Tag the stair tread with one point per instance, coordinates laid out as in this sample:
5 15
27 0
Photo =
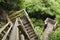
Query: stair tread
24 20
33 35
28 28
27 25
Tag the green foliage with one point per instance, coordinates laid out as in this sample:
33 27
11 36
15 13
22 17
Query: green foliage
37 22
32 5
55 35
38 30
1 0
10 5
38 25
51 7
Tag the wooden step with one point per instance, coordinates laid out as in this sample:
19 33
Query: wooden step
35 38
30 30
33 35
27 25
27 28
24 20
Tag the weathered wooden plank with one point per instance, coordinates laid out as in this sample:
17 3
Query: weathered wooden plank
26 14
4 27
24 28
17 36
15 13
22 37
5 36
15 16
14 31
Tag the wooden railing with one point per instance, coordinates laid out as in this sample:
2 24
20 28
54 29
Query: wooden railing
19 27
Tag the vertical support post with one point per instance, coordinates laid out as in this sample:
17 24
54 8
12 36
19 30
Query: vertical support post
51 24
22 37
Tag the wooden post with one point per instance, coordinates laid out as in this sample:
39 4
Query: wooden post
22 37
14 33
50 25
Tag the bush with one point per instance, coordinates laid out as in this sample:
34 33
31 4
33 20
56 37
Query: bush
55 35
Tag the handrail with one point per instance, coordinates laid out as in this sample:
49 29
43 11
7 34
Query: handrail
15 13
23 28
4 27
5 36
9 23
26 14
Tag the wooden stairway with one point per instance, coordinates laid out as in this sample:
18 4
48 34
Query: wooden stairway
28 28
5 30
24 25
